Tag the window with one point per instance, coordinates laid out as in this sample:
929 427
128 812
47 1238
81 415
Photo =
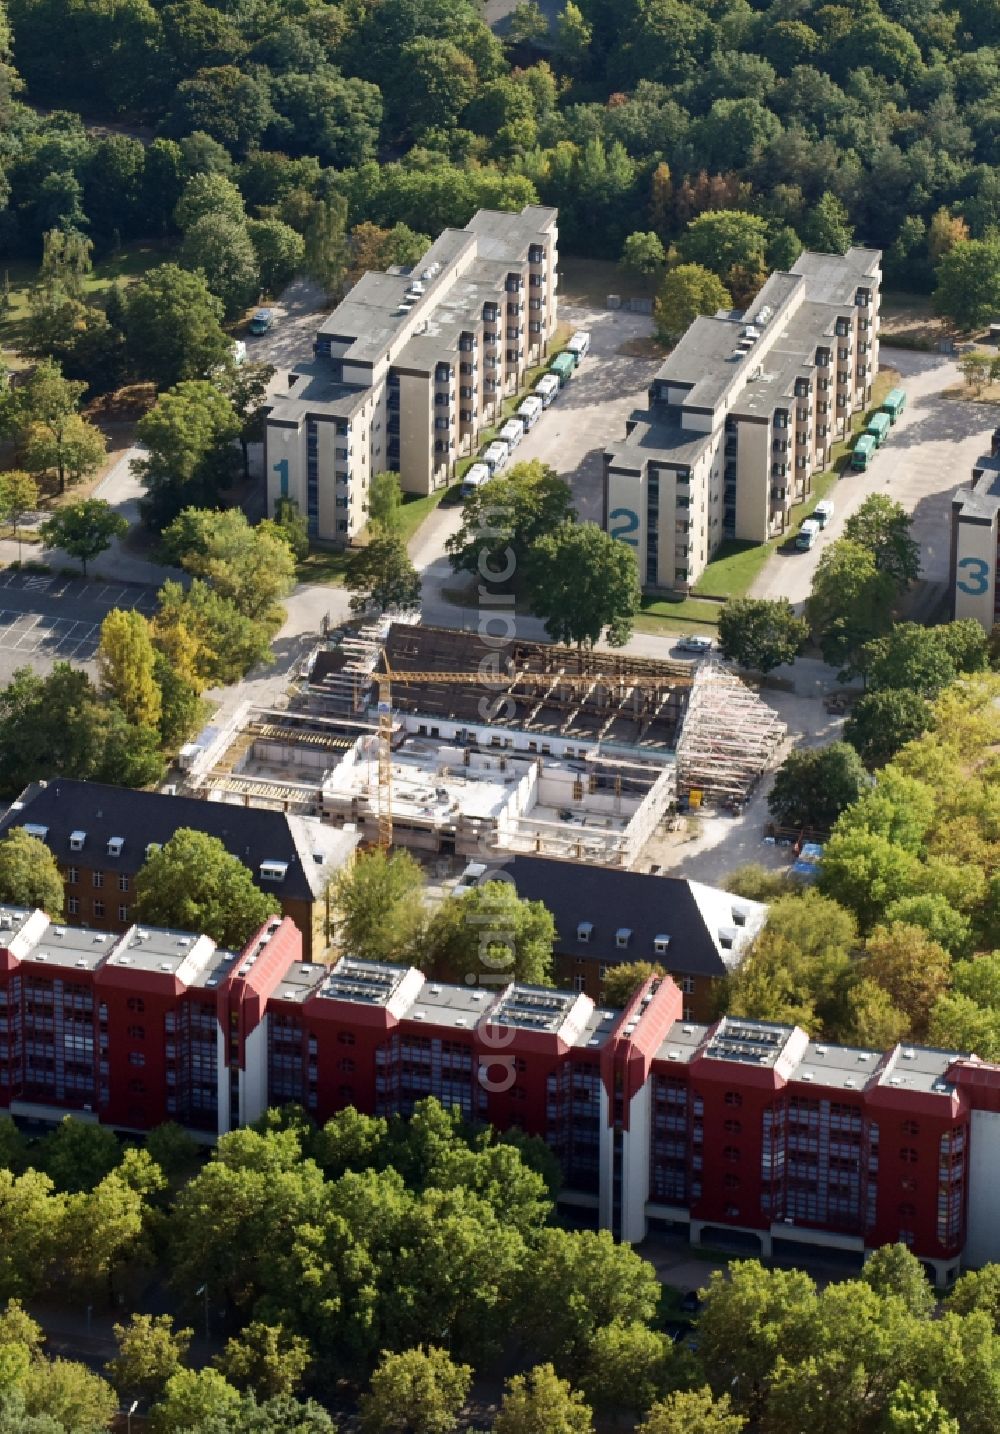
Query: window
97 878
910 1127
732 1182
136 1058
137 1033
72 875
98 908
733 1097
733 1127
346 1065
123 883
123 913
908 1184
687 985
136 1003
345 1038
73 906
732 1154
908 1155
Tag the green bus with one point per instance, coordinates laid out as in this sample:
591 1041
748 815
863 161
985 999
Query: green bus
563 366
864 451
894 403
878 426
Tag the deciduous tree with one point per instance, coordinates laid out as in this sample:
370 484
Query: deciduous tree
417 1392
968 283
150 1352
173 327
489 932
583 584
382 578
851 601
882 722
761 633
265 1358
693 1411
504 518
126 663
380 906
883 527
188 437
18 497
251 567
539 1402
84 530
620 983
29 875
192 883
685 292
815 784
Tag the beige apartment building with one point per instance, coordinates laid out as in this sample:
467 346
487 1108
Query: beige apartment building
741 414
412 366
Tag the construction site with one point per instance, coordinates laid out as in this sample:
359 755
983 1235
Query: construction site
434 739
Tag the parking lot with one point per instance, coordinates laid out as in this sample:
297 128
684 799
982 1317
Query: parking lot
590 412
47 618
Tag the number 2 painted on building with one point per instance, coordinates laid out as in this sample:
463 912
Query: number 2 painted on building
977 581
281 468
629 524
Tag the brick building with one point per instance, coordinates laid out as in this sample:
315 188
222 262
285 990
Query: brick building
746 1133
101 836
697 933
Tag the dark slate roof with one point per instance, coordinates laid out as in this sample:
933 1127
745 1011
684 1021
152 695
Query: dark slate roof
252 834
648 906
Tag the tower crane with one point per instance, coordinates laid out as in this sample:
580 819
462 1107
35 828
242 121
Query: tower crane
578 681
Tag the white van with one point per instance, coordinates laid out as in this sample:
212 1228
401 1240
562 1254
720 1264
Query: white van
547 388
823 512
579 344
474 478
530 412
807 535
495 457
511 433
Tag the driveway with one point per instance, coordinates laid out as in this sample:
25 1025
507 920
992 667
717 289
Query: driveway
591 410
930 453
298 313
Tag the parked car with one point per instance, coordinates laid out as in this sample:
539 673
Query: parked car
806 537
474 478
261 321
700 645
823 512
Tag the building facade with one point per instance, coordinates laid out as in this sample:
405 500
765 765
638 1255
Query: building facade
739 1132
101 837
698 934
412 366
973 580
741 414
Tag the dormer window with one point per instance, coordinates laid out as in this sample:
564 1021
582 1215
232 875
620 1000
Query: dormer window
622 936
727 937
152 846
77 840
273 870
660 945
584 931
34 829
115 845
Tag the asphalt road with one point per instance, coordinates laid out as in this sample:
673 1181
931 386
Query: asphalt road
929 453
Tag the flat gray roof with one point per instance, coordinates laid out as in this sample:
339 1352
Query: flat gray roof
837 1067
314 389
458 1007
652 437
74 946
982 498
682 1042
536 1008
834 278
922 1068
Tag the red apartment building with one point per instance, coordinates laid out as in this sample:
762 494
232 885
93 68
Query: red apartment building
747 1133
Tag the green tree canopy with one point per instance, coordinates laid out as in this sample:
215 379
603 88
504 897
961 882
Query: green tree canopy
685 292
583 584
29 875
883 527
851 601
173 327
882 722
761 633
489 931
84 530
539 1402
814 785
382 578
380 909
503 520
968 283
417 1392
188 437
192 883
251 567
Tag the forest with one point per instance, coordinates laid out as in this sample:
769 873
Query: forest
822 121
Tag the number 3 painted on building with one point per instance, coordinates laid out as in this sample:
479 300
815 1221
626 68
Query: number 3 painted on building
977 581
281 468
629 524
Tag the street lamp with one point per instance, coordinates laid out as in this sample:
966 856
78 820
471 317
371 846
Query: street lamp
129 1412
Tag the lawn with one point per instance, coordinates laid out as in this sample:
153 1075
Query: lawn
332 565
127 265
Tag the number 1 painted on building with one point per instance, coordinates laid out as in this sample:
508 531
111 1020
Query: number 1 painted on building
281 468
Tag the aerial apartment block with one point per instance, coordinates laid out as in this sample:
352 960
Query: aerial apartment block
412 366
740 1132
741 414
975 542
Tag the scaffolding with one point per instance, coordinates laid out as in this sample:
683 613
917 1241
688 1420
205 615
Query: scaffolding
729 739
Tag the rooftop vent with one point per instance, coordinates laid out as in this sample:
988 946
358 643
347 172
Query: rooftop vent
807 1075
688 1030
909 1055
115 845
821 1050
76 840
673 1055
